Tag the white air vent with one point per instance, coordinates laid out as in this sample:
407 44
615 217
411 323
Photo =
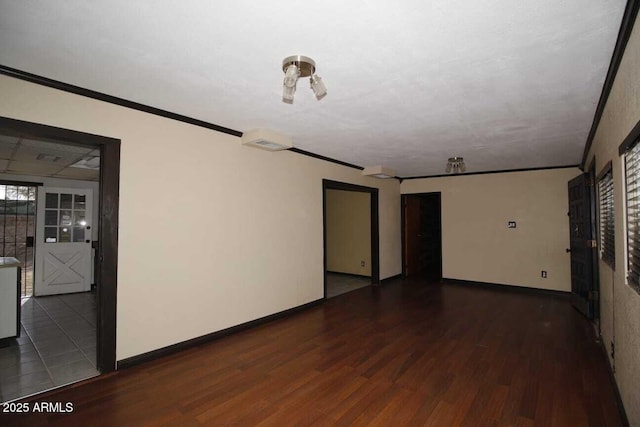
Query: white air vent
89 162
266 140
48 157
379 172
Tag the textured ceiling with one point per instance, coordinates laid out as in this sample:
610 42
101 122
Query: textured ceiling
25 155
505 84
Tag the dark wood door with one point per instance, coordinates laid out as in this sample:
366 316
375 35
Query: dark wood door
423 235
582 244
412 236
431 242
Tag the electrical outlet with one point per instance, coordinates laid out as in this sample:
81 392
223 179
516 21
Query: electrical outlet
543 274
361 263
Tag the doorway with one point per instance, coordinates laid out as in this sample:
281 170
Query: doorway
422 236
63 312
351 239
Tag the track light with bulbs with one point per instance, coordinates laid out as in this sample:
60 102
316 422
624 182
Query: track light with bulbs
298 66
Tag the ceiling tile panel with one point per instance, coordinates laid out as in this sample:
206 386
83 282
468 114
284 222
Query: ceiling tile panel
33 168
40 145
7 146
76 173
48 156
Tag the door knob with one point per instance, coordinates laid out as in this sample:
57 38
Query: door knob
567 250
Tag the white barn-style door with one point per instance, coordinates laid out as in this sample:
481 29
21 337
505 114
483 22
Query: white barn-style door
63 241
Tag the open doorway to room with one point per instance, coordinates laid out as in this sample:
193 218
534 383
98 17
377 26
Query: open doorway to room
350 237
54 186
422 236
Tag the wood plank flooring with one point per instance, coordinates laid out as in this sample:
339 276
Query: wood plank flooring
408 353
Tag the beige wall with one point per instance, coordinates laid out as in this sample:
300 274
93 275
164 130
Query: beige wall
348 218
476 243
619 304
212 233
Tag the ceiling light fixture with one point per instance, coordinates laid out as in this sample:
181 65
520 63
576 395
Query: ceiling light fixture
297 66
456 165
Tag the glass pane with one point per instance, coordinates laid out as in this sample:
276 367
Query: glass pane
79 219
50 217
65 234
78 234
51 201
80 201
65 217
65 201
11 193
51 234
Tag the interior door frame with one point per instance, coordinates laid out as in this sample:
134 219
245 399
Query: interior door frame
595 258
403 227
107 226
375 229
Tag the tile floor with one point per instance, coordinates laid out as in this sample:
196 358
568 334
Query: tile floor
338 284
57 345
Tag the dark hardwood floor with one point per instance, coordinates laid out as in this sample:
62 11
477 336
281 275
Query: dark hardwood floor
408 353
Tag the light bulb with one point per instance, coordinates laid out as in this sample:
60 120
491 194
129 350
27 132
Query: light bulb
291 76
448 169
318 87
289 84
287 93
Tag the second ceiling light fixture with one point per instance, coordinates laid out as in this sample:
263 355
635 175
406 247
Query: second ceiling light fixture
298 66
456 165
